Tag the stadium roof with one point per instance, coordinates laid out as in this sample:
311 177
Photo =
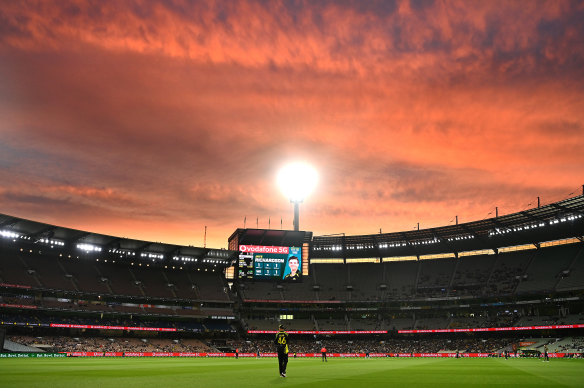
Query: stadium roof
559 220
270 237
37 231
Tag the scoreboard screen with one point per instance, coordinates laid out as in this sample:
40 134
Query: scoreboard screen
270 263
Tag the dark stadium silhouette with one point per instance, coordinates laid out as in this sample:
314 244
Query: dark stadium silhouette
513 283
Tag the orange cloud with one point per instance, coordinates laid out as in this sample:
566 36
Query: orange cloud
157 119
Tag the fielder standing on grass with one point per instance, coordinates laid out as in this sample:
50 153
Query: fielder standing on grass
281 342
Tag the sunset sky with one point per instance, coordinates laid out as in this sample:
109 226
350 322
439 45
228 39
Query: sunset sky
152 120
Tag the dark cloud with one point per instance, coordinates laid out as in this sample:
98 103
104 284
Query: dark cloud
420 5
14 26
382 8
562 128
34 202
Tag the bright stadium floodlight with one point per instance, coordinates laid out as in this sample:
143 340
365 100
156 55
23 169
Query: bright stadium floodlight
297 181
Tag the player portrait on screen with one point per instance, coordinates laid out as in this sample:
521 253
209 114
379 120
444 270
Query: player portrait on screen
293 269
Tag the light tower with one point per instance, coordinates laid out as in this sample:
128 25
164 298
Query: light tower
297 181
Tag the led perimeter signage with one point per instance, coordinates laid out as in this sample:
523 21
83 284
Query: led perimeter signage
258 262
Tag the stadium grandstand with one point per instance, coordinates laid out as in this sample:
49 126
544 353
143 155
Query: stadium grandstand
509 283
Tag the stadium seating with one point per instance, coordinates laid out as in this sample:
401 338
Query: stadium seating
431 323
299 291
49 271
401 277
181 284
154 283
38 271
117 344
435 275
366 324
14 271
332 281
19 347
86 277
260 290
392 345
471 275
210 286
365 280
573 278
264 323
120 279
546 268
402 323
331 324
507 272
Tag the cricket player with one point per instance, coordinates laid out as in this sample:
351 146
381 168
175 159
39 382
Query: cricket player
281 342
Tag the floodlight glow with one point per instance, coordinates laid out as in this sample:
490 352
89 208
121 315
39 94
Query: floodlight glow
89 248
8 234
297 181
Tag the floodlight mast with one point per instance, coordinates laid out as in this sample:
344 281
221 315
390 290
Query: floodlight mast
297 181
296 215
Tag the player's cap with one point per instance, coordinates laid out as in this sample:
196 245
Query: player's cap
281 327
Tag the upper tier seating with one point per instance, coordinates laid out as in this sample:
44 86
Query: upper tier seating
365 278
13 270
332 281
88 276
401 278
532 271
507 272
472 274
546 268
85 276
574 278
50 271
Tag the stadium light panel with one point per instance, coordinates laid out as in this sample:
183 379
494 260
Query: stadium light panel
9 234
89 248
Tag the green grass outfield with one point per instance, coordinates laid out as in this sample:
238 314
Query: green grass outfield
231 373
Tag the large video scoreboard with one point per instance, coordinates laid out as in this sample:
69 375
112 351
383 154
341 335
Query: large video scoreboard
270 263
271 255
